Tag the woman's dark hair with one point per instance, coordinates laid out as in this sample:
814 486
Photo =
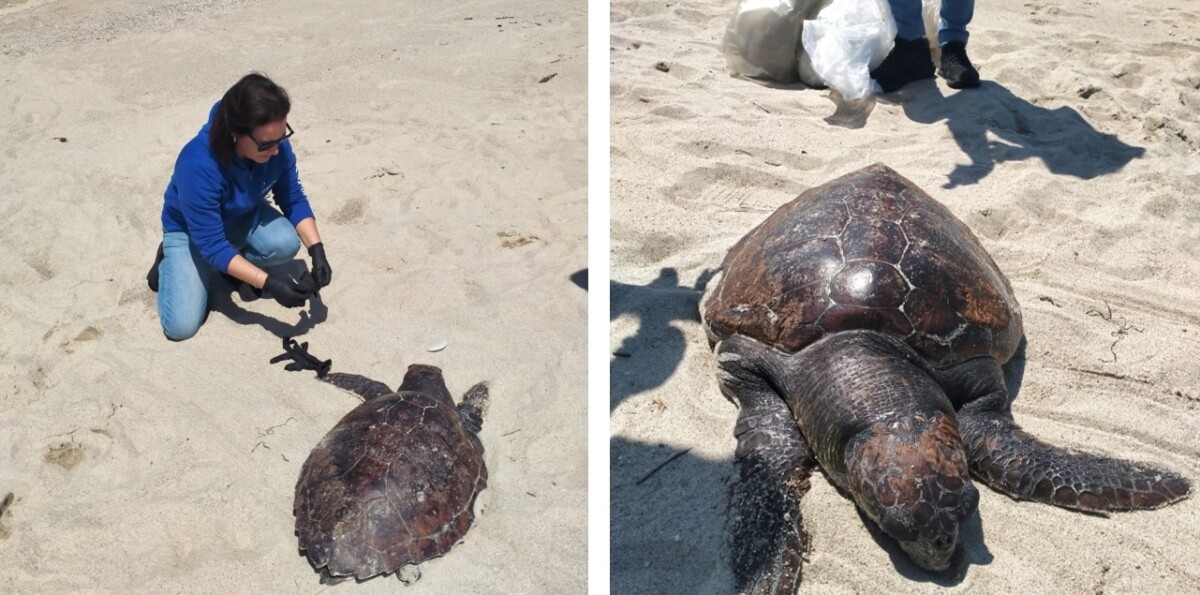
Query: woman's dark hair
251 102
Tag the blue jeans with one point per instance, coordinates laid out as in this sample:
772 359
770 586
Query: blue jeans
952 26
184 276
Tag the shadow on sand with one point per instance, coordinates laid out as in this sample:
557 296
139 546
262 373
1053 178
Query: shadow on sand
645 360
316 312
674 518
992 125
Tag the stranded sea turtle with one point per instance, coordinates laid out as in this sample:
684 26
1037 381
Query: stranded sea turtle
862 328
394 482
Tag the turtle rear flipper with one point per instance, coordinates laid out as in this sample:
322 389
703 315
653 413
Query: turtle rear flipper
765 531
360 385
1013 462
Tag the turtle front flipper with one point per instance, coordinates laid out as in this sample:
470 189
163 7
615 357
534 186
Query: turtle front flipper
765 531
1012 461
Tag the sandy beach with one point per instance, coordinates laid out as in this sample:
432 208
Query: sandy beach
1077 164
443 149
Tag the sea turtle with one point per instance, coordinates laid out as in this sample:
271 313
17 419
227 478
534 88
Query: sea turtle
861 328
394 482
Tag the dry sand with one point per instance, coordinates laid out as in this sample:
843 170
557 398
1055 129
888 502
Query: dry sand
450 189
1077 165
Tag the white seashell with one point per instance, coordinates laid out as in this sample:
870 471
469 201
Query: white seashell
436 345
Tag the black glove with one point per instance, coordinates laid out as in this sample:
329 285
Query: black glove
285 291
301 359
321 272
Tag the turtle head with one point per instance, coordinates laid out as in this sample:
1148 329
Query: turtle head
910 476
426 379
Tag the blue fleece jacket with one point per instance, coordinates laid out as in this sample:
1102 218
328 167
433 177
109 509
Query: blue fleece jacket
208 202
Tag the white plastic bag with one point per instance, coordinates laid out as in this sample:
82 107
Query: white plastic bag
762 36
804 65
930 16
846 41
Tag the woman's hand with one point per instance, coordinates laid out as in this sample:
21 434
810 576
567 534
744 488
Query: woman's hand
321 271
287 292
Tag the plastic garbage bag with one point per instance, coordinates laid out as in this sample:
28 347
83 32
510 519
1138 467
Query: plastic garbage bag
930 10
804 66
846 41
762 36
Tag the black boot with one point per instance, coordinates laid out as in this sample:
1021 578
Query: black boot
909 60
152 276
956 68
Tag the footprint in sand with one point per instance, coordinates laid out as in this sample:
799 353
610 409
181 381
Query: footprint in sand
350 212
724 186
77 446
512 239
67 455
138 293
707 149
87 335
40 263
697 17
674 112
991 223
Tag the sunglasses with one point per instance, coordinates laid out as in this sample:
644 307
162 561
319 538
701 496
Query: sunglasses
267 146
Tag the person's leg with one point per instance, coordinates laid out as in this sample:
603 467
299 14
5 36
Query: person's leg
954 65
183 281
907 14
273 241
910 59
955 16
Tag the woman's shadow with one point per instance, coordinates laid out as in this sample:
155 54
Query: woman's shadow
646 359
992 125
316 312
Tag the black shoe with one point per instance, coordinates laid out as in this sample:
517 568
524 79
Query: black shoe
956 67
910 60
152 276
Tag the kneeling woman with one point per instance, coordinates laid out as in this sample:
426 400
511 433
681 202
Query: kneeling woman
216 217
